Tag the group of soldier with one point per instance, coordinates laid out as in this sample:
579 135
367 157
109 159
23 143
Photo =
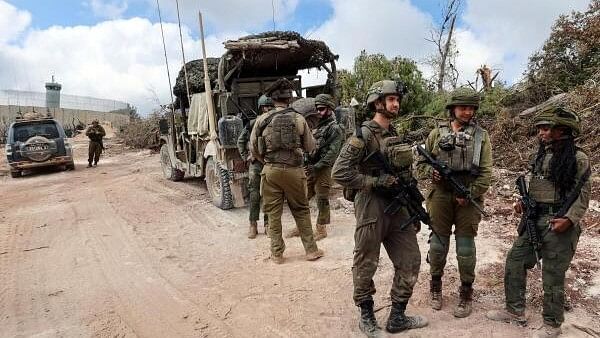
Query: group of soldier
373 165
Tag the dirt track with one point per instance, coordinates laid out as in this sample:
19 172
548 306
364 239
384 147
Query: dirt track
119 251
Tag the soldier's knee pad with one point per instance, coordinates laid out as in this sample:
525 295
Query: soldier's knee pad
465 246
438 244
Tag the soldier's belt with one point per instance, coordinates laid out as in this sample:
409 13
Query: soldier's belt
547 208
282 165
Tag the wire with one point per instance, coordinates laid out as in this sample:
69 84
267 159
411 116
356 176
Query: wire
166 58
273 11
187 86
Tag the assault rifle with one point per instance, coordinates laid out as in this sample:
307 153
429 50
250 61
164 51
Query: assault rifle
529 218
406 194
447 174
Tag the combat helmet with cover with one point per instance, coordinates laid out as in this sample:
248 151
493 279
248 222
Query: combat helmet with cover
280 90
382 88
325 100
264 100
463 97
559 116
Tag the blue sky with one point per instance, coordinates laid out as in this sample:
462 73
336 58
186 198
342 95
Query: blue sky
112 48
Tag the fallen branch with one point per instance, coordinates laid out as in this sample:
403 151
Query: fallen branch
587 330
382 307
38 248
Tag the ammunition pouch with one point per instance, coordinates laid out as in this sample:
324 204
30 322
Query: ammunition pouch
262 147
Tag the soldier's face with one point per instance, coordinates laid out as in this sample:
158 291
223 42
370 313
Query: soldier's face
464 114
547 134
323 111
391 103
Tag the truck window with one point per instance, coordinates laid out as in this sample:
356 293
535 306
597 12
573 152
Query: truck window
46 129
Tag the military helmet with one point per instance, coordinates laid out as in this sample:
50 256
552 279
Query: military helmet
264 100
325 100
463 97
95 121
382 88
559 116
305 106
280 89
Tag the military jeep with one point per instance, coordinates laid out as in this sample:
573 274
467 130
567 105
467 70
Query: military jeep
37 141
200 144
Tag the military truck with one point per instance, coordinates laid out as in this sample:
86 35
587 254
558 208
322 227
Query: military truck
200 144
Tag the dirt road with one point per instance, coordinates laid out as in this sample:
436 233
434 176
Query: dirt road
117 251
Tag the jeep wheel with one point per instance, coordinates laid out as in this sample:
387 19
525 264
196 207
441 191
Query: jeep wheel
217 182
71 166
169 172
15 173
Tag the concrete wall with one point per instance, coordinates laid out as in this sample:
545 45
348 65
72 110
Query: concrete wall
67 117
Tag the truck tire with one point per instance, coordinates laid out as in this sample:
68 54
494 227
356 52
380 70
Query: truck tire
15 173
169 172
70 166
217 184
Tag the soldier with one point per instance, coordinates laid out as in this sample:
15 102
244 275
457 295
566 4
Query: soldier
95 133
279 139
559 184
264 105
355 169
329 137
465 147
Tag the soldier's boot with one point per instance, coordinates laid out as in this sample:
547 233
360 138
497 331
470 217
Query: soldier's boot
321 232
435 288
465 302
253 230
547 331
314 255
506 316
277 259
89 164
398 321
368 323
293 233
95 163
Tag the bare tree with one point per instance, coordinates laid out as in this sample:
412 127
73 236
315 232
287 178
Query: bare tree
441 36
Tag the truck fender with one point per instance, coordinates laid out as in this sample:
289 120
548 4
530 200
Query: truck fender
210 150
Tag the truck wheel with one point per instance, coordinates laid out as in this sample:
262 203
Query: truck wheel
217 182
71 166
15 173
169 172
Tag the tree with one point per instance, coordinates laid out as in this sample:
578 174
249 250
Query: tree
569 57
445 56
370 68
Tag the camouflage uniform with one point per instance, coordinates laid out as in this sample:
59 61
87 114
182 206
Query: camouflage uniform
355 170
95 133
254 170
557 249
475 173
280 143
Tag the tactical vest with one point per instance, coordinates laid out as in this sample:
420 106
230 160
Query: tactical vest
320 136
461 150
394 150
282 140
541 188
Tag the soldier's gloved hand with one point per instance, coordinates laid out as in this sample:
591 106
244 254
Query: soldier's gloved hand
417 225
384 181
435 176
308 170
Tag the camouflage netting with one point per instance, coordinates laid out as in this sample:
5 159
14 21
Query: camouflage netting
195 71
266 54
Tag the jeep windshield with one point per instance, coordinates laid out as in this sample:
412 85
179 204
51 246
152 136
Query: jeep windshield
47 129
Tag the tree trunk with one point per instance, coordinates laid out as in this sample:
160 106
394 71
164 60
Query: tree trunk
442 71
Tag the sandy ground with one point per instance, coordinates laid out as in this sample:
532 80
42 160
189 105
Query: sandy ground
118 251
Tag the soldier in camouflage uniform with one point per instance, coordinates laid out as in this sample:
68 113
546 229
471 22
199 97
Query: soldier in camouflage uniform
254 169
279 139
329 137
559 183
357 171
95 133
465 147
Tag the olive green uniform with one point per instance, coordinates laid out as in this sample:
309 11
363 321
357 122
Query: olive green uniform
328 136
95 133
254 172
280 146
441 200
557 248
373 226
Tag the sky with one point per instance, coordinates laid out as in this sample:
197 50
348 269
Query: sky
113 49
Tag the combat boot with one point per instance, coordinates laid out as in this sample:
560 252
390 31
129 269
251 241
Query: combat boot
368 323
465 302
253 231
89 164
435 288
314 255
321 232
277 259
398 321
547 331
506 316
293 233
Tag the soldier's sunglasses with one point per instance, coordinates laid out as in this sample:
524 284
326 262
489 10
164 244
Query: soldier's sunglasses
321 108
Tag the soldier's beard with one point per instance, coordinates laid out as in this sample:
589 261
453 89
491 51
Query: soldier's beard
388 114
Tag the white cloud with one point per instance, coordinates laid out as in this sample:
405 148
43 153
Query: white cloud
12 21
109 9
514 29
